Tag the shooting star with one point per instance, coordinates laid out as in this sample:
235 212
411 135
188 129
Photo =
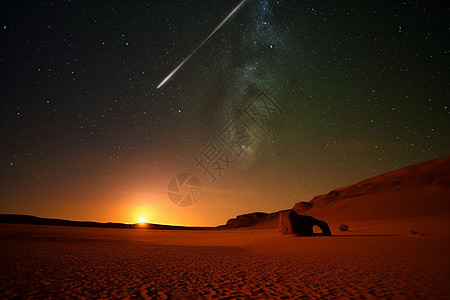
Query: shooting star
201 44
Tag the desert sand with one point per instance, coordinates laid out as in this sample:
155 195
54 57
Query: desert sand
372 261
397 247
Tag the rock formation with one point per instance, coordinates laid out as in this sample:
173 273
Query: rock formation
291 222
303 206
246 220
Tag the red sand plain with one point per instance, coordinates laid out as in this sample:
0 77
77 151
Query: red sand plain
375 260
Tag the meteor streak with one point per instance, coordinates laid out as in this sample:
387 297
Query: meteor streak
201 44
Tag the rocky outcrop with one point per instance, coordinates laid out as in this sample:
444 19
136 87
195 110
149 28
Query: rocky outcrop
301 207
291 222
246 220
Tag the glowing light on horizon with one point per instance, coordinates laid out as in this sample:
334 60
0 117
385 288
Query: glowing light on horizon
142 220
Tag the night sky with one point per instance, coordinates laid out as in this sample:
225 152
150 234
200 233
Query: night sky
297 97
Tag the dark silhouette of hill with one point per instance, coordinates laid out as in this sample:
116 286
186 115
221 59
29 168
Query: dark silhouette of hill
26 219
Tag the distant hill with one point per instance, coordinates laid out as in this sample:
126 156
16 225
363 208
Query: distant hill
26 219
419 190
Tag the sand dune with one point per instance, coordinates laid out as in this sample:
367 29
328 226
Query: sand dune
421 190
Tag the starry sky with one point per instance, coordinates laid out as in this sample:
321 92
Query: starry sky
293 98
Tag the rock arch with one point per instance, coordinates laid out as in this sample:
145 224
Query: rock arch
291 222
